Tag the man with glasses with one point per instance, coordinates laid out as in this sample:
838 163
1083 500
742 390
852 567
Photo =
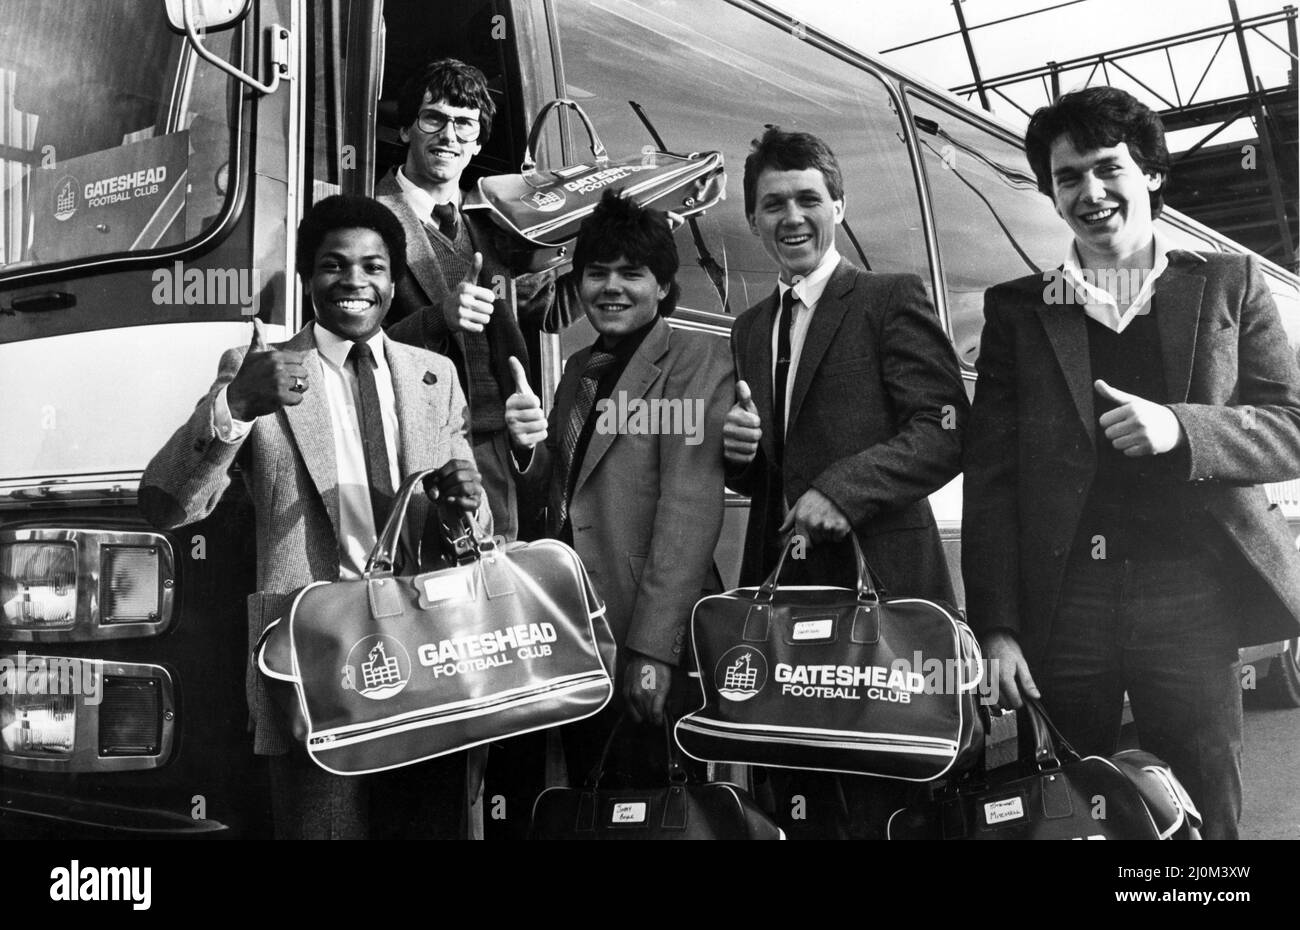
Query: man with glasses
455 297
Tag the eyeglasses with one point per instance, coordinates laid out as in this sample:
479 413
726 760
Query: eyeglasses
434 121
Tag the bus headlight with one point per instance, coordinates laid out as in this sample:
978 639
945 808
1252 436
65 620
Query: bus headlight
59 584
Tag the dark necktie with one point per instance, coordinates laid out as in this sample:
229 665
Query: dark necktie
448 218
598 363
371 421
782 374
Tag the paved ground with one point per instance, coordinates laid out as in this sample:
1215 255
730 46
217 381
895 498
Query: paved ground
1271 806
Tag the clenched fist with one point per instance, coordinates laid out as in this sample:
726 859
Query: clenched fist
469 307
524 417
742 429
267 380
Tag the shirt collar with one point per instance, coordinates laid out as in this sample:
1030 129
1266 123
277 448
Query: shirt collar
416 196
808 288
1074 273
334 349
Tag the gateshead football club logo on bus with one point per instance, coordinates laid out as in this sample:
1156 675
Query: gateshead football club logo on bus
378 667
544 201
741 673
65 198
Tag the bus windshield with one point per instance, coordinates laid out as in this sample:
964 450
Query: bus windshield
114 137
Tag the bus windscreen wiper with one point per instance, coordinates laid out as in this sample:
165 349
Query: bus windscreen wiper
717 274
933 128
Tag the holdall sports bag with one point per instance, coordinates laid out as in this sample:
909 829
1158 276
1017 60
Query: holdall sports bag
388 671
540 210
1056 795
836 680
679 811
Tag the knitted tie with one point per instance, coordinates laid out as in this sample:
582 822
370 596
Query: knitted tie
371 421
447 217
598 363
782 374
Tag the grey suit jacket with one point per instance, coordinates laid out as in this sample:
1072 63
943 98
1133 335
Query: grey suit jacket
416 313
647 508
288 463
1030 453
875 424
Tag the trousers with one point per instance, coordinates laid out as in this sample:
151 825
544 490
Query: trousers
1164 632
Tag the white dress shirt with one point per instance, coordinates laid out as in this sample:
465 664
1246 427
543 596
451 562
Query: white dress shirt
1098 303
807 292
357 531
419 200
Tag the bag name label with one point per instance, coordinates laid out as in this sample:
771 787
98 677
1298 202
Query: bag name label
813 629
629 812
482 651
450 586
996 812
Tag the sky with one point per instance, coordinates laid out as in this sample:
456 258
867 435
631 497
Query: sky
1079 29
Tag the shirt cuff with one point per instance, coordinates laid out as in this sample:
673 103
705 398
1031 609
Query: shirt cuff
224 426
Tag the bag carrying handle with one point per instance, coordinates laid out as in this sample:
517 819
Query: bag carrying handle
529 167
676 774
866 621
1049 744
471 541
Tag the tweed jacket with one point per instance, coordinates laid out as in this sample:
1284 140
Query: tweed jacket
417 300
647 507
875 424
1030 454
288 462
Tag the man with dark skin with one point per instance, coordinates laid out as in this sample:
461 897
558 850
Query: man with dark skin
324 427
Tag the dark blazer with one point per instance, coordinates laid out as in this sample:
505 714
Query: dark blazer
1030 453
288 464
647 508
419 293
875 424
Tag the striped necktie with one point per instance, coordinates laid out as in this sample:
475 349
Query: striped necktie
599 363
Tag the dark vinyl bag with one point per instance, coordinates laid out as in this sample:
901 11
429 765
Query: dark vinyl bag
385 671
539 211
677 811
834 679
1056 795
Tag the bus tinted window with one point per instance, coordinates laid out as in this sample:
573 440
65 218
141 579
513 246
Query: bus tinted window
116 136
710 76
993 224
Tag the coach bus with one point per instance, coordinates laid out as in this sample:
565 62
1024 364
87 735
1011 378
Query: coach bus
155 159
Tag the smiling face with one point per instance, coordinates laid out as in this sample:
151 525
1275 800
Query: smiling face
795 218
619 297
1105 198
435 159
351 283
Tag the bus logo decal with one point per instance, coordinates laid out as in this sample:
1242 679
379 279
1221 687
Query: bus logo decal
65 198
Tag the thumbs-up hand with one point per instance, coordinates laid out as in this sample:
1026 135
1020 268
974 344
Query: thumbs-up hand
1138 426
469 307
524 417
742 429
267 380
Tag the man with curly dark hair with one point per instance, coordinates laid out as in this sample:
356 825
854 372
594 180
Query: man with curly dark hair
324 428
1129 404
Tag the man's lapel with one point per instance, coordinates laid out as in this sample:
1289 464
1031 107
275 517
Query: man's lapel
312 426
1178 314
1068 335
639 373
420 258
416 399
759 351
825 323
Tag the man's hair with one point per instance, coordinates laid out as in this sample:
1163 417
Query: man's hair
1095 118
347 211
620 228
779 150
449 79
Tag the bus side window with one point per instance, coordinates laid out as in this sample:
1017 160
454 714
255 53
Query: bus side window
992 222
711 76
